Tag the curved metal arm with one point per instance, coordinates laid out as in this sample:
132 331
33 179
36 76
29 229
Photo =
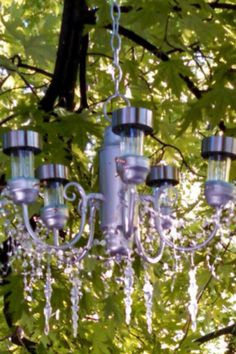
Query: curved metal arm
169 242
82 208
142 252
128 213
67 245
89 245
83 202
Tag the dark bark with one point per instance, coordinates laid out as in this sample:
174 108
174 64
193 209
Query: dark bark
71 51
82 73
223 6
213 5
220 332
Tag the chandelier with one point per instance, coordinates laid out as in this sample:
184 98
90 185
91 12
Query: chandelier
130 222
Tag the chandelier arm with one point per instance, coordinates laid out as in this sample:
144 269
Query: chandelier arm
182 248
89 245
131 211
169 242
55 237
95 197
142 252
83 202
38 241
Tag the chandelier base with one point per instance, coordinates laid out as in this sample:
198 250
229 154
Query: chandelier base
218 193
23 190
55 217
133 169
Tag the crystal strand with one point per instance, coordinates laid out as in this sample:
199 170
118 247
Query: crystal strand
39 266
211 268
25 273
75 295
32 274
48 294
128 289
148 297
192 290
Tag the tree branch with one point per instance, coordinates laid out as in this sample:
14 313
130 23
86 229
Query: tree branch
158 53
225 6
16 59
5 120
180 153
142 42
220 332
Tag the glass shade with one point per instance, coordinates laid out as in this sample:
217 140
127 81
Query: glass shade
22 163
132 142
218 168
53 194
167 199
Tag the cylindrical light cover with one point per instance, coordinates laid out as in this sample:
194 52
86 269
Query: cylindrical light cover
166 200
132 124
53 176
162 174
22 145
219 150
22 164
132 117
53 193
131 142
218 169
54 213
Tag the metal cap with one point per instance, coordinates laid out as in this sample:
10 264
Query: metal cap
22 139
219 146
132 117
53 172
161 174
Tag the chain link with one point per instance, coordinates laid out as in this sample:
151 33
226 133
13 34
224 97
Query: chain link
115 46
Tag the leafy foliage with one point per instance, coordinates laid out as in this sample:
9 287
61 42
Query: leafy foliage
178 59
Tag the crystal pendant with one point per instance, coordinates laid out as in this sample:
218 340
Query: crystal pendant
128 289
148 298
192 290
48 294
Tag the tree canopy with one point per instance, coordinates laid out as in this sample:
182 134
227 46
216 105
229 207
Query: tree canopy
178 59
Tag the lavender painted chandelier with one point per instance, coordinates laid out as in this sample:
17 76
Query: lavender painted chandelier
129 221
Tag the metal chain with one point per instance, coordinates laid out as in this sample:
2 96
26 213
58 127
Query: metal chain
115 46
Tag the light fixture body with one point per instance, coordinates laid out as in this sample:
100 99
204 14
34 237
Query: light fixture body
166 177
22 145
113 189
219 150
55 212
132 124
